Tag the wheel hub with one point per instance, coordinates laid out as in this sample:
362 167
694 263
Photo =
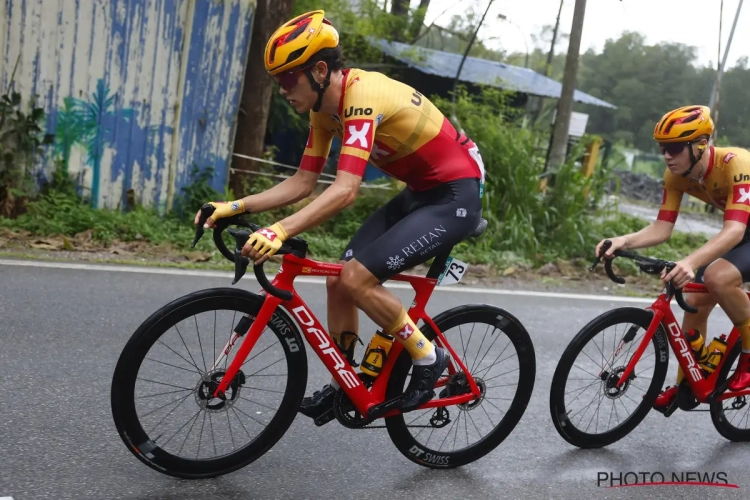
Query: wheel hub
207 386
610 383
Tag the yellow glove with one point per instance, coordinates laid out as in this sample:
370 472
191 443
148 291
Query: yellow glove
268 241
226 209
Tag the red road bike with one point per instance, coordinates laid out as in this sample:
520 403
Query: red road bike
159 379
615 378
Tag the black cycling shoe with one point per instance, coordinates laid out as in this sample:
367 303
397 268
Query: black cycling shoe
320 402
423 379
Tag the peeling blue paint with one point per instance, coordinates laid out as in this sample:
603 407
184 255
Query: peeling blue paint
119 114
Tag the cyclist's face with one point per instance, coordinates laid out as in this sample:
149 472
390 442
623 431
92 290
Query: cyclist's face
295 87
676 156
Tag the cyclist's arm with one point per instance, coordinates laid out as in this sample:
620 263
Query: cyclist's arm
338 196
289 191
654 234
301 184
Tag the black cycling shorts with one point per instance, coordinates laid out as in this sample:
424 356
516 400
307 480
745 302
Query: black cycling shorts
415 226
739 257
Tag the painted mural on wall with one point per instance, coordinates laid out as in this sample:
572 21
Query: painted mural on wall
136 92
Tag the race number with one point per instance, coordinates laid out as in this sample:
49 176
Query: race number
454 271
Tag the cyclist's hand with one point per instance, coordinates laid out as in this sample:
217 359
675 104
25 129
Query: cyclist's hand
680 275
222 209
617 244
264 243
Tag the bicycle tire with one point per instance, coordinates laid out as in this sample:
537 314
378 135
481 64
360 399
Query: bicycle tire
136 349
564 426
721 424
515 331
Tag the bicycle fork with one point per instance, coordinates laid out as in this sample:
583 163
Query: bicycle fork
251 338
655 322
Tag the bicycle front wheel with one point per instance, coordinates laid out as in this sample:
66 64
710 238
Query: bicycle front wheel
588 409
163 383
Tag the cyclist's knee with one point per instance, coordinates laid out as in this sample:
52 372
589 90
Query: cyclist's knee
355 278
333 283
721 274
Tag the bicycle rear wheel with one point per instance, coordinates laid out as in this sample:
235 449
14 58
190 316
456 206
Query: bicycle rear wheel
731 417
165 375
499 354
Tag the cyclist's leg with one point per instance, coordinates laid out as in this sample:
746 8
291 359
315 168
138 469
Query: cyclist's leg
343 316
725 278
444 217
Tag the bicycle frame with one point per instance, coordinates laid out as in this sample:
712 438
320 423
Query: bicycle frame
327 350
704 389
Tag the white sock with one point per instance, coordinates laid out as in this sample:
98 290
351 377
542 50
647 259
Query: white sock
335 384
427 360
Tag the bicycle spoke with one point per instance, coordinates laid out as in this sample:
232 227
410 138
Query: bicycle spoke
269 366
489 348
480 348
255 402
161 393
169 364
229 423
200 436
194 418
213 438
251 417
200 344
164 383
186 348
181 356
240 421
168 414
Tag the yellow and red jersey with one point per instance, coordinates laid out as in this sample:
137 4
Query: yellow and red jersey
725 185
394 127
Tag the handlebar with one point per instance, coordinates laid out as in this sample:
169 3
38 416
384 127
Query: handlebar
647 265
296 246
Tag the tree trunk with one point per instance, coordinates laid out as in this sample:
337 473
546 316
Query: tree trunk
400 8
256 92
565 103
418 21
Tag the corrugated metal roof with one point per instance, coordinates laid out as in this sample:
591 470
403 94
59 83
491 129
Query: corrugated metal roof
481 71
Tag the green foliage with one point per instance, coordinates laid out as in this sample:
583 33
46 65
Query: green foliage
198 192
22 139
522 218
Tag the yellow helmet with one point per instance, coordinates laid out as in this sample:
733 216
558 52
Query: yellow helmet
295 42
684 124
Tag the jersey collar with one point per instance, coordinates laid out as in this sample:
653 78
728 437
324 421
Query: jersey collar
712 154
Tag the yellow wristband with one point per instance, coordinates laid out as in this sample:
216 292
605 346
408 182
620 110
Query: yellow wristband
280 231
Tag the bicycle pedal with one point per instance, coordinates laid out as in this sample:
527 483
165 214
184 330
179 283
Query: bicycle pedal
324 418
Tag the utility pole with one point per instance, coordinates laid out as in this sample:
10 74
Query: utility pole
559 144
550 55
714 100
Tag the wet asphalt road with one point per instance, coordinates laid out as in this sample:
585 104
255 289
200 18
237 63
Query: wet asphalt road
62 331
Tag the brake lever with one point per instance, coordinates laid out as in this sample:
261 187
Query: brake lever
605 247
240 262
207 211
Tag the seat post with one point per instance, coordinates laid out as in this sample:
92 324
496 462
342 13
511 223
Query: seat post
438 265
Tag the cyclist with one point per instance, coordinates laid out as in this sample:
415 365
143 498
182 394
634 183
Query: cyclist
721 178
401 132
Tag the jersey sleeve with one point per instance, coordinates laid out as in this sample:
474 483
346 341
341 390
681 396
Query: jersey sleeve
318 146
671 199
362 112
738 197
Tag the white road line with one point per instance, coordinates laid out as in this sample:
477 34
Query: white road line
313 280
6 498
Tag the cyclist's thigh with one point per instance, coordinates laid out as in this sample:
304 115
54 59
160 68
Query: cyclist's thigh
425 231
735 257
377 224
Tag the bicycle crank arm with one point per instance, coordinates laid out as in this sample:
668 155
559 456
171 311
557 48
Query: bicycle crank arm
388 408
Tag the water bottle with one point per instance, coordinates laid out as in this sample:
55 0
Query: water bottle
376 353
697 344
716 350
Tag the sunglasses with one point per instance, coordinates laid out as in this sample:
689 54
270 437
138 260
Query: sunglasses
672 148
289 79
